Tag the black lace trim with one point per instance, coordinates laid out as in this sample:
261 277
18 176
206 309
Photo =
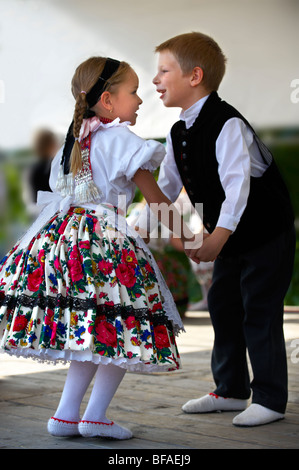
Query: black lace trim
110 311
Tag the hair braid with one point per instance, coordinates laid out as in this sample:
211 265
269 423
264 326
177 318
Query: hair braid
84 78
80 109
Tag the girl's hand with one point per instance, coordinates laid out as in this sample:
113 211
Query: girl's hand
191 247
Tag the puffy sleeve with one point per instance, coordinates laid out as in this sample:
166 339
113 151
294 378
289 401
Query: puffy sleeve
148 156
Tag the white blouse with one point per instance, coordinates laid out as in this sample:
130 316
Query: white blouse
116 154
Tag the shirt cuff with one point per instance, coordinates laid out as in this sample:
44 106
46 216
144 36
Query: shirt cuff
227 221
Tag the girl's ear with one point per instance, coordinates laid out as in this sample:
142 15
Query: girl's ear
197 76
106 100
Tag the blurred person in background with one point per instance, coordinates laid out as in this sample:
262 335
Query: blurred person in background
45 145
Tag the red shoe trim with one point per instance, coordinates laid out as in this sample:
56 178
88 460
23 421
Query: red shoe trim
64 421
216 396
96 422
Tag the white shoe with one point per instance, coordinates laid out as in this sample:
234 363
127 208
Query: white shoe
256 415
99 429
212 402
62 428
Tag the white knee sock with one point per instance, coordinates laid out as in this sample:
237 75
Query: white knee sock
79 376
107 380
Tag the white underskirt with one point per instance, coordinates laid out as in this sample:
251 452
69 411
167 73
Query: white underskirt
55 357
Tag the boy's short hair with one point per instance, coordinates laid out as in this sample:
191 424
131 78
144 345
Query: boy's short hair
198 50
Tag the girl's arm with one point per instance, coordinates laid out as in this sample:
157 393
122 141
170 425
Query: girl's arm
165 211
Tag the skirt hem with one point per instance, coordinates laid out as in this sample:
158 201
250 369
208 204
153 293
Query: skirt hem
49 356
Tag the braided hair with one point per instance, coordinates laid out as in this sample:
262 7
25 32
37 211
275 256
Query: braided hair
85 77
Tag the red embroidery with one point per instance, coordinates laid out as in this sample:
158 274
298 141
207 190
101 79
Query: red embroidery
216 396
105 120
96 422
64 421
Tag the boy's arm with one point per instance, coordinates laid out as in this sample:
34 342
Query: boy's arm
233 148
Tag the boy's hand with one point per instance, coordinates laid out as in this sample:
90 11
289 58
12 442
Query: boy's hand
212 245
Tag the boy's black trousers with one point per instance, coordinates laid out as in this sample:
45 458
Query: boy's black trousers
246 303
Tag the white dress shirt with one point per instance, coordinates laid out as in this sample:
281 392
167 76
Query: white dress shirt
238 157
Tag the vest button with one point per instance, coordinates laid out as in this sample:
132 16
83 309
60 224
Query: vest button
184 156
184 143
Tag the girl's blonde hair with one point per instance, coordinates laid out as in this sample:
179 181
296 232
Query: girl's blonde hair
86 75
198 50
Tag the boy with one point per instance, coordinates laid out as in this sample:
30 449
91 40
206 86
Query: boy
215 154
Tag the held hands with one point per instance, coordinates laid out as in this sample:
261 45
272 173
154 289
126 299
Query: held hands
211 246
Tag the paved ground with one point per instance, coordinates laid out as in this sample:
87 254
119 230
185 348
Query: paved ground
150 405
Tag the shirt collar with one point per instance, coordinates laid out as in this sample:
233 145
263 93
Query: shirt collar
191 113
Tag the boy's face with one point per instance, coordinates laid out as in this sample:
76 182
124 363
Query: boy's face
174 87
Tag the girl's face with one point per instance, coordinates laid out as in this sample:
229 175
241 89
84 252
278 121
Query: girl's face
125 102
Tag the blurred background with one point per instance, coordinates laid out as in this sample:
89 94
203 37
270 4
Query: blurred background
42 42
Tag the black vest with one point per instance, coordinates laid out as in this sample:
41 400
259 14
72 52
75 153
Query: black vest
268 212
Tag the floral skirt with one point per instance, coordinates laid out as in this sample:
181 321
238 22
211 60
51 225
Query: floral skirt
82 290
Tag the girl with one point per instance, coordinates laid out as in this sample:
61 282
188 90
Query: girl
81 285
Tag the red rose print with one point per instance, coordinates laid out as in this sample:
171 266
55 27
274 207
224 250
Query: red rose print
130 322
41 257
152 297
126 274
106 333
75 265
17 259
57 264
105 267
84 244
53 335
161 337
148 268
35 279
49 317
63 225
128 256
157 306
20 323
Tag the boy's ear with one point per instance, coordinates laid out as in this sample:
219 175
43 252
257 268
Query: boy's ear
197 76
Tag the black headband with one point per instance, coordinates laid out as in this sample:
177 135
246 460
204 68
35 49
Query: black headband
92 97
111 66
